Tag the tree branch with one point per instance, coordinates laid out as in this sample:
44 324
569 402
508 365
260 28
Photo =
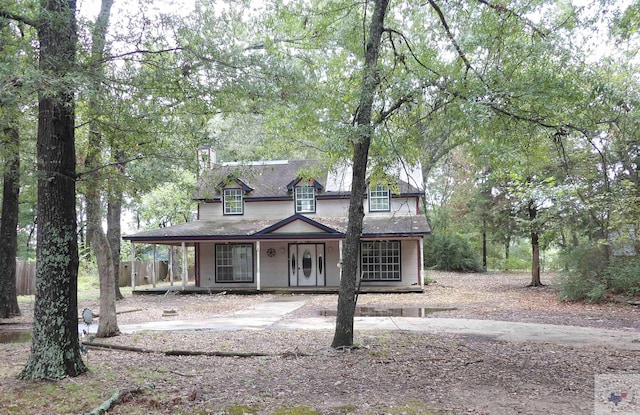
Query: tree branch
445 25
144 52
104 407
413 55
18 18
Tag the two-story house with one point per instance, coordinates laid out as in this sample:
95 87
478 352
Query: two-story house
280 225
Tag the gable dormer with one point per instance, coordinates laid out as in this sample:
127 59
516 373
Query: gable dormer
304 194
232 192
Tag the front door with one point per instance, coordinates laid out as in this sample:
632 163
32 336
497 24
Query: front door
306 265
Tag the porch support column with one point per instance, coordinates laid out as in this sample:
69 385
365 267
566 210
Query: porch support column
258 265
340 262
170 249
185 267
153 267
421 242
133 266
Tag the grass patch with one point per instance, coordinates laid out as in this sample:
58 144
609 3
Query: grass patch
240 410
65 397
296 410
345 409
412 407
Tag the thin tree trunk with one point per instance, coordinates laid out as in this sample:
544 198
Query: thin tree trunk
507 251
9 224
484 244
363 133
108 324
535 247
114 233
55 351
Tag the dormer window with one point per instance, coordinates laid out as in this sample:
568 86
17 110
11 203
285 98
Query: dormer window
379 200
233 202
305 198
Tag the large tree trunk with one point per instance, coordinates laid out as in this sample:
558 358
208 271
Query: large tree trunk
363 132
55 352
108 324
535 247
9 224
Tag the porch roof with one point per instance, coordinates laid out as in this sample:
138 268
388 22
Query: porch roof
327 228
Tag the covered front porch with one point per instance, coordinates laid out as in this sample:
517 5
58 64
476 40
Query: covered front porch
297 255
165 289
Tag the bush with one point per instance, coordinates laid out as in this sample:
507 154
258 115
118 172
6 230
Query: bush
623 276
584 279
450 253
590 278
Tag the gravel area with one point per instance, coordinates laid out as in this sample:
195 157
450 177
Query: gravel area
390 372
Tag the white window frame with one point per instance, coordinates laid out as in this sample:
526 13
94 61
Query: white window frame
379 198
380 260
234 263
233 201
305 199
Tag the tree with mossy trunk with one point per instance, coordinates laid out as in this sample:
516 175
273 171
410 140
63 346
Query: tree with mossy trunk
55 352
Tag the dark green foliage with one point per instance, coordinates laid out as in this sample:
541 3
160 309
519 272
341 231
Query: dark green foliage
584 278
623 276
451 253
591 278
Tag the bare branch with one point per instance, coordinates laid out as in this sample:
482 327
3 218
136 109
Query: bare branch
413 55
144 52
445 25
502 9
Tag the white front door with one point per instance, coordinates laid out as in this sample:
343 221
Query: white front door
306 265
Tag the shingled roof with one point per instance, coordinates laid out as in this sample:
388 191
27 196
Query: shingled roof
269 179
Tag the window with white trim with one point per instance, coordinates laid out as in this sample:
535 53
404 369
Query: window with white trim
234 263
305 198
233 202
379 199
380 260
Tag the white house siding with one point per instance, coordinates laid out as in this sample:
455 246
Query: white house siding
206 265
273 270
332 258
285 208
252 210
400 206
331 208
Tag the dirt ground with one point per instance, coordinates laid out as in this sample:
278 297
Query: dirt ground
295 372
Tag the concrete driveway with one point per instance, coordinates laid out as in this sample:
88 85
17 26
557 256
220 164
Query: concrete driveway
273 315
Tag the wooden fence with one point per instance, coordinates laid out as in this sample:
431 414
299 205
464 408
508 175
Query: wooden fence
26 275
